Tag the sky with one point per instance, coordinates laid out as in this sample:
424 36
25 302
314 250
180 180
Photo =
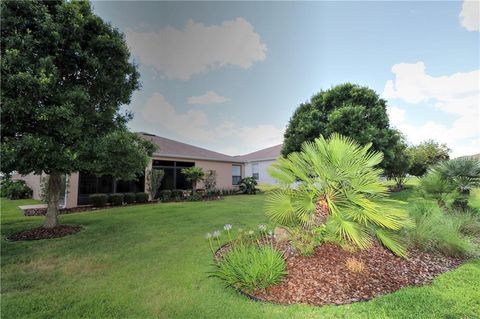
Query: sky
228 76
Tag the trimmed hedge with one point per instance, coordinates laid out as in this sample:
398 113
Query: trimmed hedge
98 200
141 197
165 195
129 198
115 199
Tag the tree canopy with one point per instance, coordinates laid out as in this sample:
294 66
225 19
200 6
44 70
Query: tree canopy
348 109
425 155
65 74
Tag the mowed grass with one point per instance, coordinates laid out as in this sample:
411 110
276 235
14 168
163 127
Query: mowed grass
152 261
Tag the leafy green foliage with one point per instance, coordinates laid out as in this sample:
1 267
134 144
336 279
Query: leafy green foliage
165 195
400 165
436 231
251 267
98 200
65 74
305 241
425 155
248 185
348 109
340 176
141 197
462 173
154 181
129 198
433 185
193 174
15 189
115 199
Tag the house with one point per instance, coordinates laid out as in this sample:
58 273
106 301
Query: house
171 157
256 163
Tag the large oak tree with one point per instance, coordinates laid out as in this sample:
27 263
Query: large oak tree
65 74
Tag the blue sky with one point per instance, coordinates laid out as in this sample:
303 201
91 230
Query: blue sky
228 76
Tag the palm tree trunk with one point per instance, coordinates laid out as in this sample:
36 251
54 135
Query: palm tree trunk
321 211
53 196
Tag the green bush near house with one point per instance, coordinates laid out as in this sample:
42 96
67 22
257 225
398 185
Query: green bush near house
165 195
115 199
177 194
141 197
129 198
15 189
98 200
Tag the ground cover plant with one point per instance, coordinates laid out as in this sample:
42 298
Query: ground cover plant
151 261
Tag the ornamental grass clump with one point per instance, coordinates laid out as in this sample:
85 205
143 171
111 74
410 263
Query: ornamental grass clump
335 184
250 267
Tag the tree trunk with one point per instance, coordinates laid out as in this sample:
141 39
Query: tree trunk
322 211
53 196
194 185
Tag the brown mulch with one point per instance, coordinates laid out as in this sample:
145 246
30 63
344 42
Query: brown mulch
324 278
45 233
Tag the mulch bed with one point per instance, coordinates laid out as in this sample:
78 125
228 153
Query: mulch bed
44 233
325 279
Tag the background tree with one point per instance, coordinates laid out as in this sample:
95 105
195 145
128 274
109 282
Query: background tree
400 164
194 175
154 181
65 74
425 155
348 109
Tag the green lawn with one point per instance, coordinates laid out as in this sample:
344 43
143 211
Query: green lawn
152 261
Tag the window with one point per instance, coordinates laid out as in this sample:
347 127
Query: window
255 173
236 174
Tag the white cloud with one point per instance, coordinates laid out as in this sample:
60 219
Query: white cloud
194 127
457 95
209 97
179 54
470 15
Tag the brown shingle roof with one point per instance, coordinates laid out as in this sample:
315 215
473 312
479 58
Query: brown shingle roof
269 153
171 148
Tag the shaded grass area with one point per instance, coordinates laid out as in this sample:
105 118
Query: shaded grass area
152 261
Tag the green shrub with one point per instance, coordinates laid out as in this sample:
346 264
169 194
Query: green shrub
129 198
115 199
141 197
177 194
15 189
251 267
436 231
165 195
98 200
248 185
303 241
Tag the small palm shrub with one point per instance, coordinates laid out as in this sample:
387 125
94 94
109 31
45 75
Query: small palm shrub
305 241
115 199
194 175
251 267
129 198
98 200
335 183
436 231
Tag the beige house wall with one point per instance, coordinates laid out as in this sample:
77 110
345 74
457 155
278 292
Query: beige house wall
72 190
33 181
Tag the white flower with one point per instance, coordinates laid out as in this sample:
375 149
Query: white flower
262 227
208 235
216 234
250 232
227 227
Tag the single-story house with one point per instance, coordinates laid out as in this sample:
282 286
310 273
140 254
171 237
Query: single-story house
171 157
256 163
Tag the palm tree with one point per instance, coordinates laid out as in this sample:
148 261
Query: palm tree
462 173
334 184
193 174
